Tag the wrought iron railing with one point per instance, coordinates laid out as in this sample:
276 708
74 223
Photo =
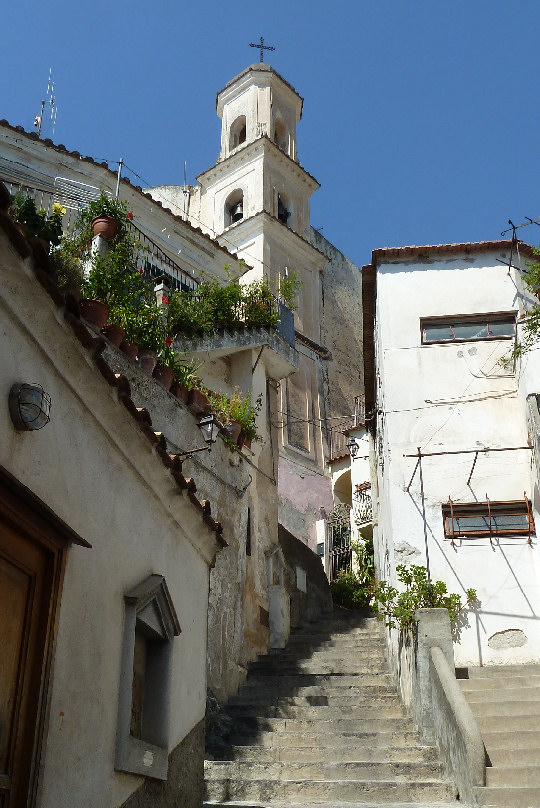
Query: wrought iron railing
337 440
340 552
362 505
74 196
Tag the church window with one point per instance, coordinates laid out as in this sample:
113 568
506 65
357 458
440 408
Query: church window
234 208
298 432
463 328
237 132
150 626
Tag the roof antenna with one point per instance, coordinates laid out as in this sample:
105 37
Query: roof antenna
38 120
186 190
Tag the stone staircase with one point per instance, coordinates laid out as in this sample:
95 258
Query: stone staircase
320 723
505 701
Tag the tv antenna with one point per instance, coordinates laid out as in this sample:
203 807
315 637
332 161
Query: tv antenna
38 120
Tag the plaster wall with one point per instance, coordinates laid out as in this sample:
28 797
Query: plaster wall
188 248
97 472
232 482
448 398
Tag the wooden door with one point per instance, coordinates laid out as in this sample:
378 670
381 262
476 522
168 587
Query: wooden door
30 568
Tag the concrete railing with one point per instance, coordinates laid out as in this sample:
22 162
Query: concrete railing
426 678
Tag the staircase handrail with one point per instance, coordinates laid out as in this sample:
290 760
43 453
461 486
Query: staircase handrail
455 727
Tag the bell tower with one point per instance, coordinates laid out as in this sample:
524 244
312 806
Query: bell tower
258 103
256 201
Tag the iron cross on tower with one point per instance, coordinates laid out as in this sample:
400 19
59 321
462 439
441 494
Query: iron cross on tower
262 47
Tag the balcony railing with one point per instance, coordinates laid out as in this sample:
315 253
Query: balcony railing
337 440
74 196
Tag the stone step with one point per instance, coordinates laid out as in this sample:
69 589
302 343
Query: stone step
514 757
327 699
318 667
504 739
256 688
406 753
300 681
498 683
316 713
319 791
366 655
374 738
333 726
349 804
354 770
510 694
501 671
503 708
512 776
488 723
375 640
512 797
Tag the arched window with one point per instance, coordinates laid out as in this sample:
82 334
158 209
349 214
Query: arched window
234 208
281 136
238 132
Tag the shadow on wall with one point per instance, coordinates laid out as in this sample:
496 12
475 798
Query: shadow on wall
307 605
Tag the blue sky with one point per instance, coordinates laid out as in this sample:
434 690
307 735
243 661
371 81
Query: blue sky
421 118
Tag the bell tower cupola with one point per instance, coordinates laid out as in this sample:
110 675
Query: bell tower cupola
258 103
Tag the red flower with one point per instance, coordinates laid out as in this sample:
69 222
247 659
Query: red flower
165 300
130 217
141 271
168 342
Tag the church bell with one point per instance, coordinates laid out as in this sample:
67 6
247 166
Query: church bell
237 212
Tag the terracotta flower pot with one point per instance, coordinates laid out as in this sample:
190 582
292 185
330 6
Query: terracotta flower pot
104 226
163 375
114 333
247 442
45 244
147 359
94 312
130 349
197 402
232 430
180 392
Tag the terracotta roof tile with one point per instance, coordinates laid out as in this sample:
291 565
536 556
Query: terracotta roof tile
389 253
95 345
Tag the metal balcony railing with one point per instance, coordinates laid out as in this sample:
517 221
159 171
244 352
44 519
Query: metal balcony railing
337 440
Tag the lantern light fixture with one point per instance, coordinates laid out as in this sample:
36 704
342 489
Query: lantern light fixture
209 427
29 406
353 447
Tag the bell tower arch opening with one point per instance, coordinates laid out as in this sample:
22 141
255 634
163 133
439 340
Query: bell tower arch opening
281 135
234 208
237 133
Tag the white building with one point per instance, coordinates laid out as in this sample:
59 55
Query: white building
256 201
450 437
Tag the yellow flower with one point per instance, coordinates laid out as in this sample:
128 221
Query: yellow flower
58 208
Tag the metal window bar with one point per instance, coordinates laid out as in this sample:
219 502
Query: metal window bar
529 516
489 514
340 549
452 521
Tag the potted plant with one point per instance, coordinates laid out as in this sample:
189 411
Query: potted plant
36 222
105 216
113 282
147 330
184 372
243 411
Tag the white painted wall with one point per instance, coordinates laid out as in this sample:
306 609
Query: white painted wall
446 398
92 466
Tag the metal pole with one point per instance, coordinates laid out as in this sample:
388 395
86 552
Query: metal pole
425 525
120 164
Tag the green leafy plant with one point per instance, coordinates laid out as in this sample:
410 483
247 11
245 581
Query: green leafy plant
66 266
104 205
353 589
397 608
531 326
146 327
289 289
259 305
23 208
245 413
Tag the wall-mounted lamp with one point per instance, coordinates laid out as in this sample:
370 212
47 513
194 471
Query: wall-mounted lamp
353 447
29 406
209 427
